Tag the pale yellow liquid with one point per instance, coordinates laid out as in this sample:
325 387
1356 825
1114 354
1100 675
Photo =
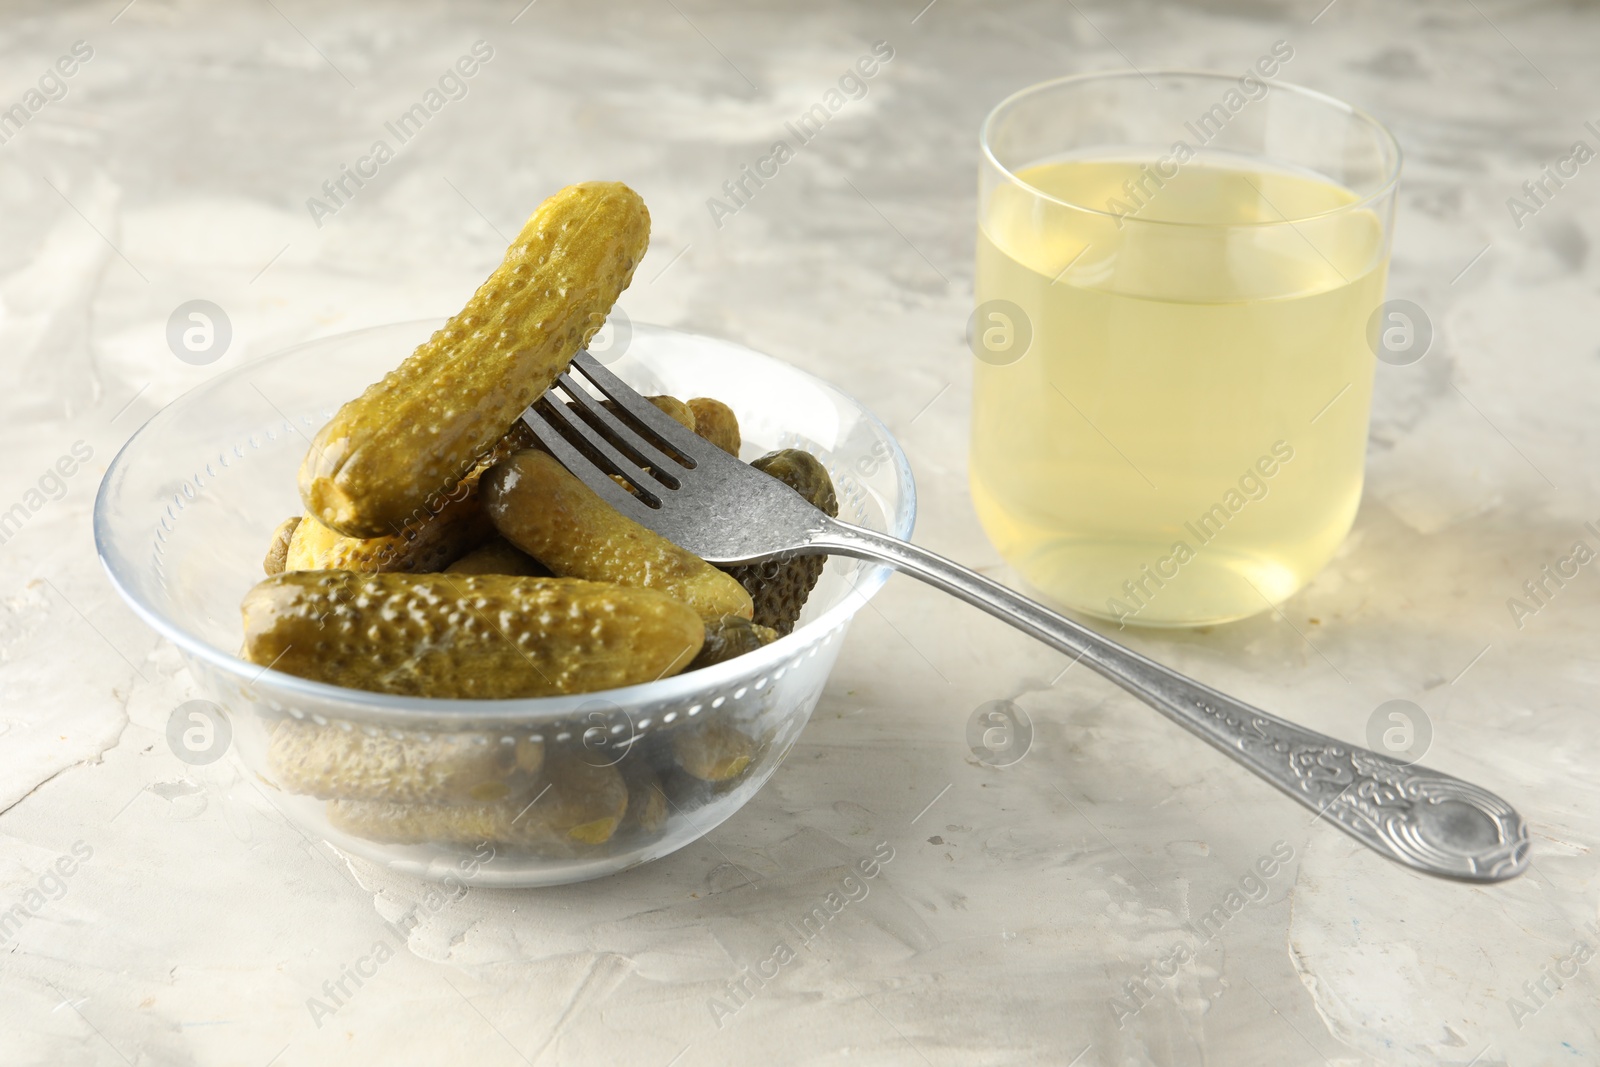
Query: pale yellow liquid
1167 363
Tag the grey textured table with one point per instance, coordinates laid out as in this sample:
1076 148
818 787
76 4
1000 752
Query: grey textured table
1102 901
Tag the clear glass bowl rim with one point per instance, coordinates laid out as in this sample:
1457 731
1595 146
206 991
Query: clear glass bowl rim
1386 138
529 709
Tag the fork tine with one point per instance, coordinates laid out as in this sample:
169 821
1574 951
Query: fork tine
612 458
540 419
627 440
678 437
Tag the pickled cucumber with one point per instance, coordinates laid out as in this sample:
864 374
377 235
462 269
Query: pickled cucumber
427 423
779 586
713 750
412 768
278 550
430 544
731 636
572 803
647 804
499 556
475 636
543 509
716 422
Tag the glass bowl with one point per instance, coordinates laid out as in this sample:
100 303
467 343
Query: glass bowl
444 789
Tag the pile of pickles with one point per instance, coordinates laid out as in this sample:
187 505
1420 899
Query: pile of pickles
443 553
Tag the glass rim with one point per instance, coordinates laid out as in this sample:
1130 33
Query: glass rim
1386 139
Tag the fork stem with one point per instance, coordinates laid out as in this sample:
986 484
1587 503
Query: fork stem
1430 821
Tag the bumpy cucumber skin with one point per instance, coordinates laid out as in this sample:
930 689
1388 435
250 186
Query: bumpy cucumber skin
427 423
583 806
779 587
729 637
436 768
543 509
716 422
422 547
475 636
278 551
499 556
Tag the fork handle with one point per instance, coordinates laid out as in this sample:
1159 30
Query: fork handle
1418 817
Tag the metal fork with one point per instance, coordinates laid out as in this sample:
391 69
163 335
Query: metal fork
725 511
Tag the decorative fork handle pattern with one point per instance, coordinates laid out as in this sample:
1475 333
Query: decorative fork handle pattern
1419 817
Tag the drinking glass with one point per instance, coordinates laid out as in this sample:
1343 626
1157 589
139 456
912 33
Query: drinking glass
1179 282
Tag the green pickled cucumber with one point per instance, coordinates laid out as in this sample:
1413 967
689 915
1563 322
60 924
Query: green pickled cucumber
471 636
430 544
779 587
499 556
543 509
716 422
573 803
647 804
278 550
427 423
713 750
411 768
731 636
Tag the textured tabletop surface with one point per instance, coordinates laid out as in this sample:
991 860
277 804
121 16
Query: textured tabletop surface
1102 901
